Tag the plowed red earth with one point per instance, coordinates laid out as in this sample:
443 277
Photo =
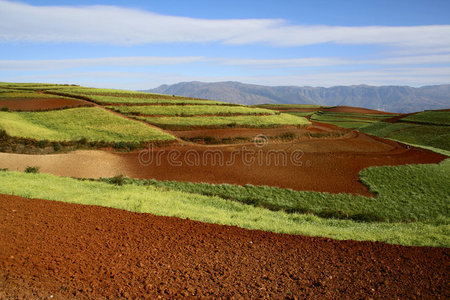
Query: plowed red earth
324 165
357 110
248 132
40 104
57 250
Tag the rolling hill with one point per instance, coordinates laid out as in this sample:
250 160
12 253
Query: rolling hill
400 99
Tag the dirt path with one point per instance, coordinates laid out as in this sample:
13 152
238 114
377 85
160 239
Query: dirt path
57 250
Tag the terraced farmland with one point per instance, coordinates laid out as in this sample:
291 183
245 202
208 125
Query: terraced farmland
299 177
190 110
429 117
348 120
93 124
418 134
226 122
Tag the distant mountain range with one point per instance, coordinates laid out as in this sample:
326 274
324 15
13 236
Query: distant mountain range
401 99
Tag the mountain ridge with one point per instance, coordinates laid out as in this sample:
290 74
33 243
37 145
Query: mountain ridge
401 99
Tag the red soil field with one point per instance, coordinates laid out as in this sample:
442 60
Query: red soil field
27 104
56 250
357 110
249 132
321 164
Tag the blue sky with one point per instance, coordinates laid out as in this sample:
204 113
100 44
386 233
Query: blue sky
142 44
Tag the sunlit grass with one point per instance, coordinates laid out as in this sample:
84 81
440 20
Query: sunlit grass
93 124
190 110
230 121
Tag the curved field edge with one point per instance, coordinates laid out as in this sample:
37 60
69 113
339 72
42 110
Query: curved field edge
409 193
435 136
213 209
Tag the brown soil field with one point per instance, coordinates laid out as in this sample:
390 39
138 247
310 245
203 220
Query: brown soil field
41 104
322 164
251 132
57 250
357 110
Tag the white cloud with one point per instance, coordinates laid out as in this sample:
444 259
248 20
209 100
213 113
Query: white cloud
55 64
124 26
335 61
270 63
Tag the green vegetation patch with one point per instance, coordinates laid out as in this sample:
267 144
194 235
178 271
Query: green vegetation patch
150 100
300 113
426 135
92 124
190 110
170 200
222 122
429 117
407 193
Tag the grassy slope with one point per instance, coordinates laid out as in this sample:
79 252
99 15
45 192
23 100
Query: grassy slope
427 135
190 110
388 181
244 121
94 124
430 117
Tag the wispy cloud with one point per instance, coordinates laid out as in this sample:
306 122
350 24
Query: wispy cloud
55 64
142 61
123 26
335 61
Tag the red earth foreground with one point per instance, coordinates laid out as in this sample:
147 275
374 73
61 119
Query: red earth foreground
57 250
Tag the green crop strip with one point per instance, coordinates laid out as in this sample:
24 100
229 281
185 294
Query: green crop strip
93 124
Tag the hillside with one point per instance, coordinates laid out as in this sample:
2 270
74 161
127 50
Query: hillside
400 99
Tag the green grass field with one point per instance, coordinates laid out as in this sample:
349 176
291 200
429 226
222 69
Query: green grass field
429 117
149 100
300 114
398 198
426 135
408 193
221 122
94 124
190 110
